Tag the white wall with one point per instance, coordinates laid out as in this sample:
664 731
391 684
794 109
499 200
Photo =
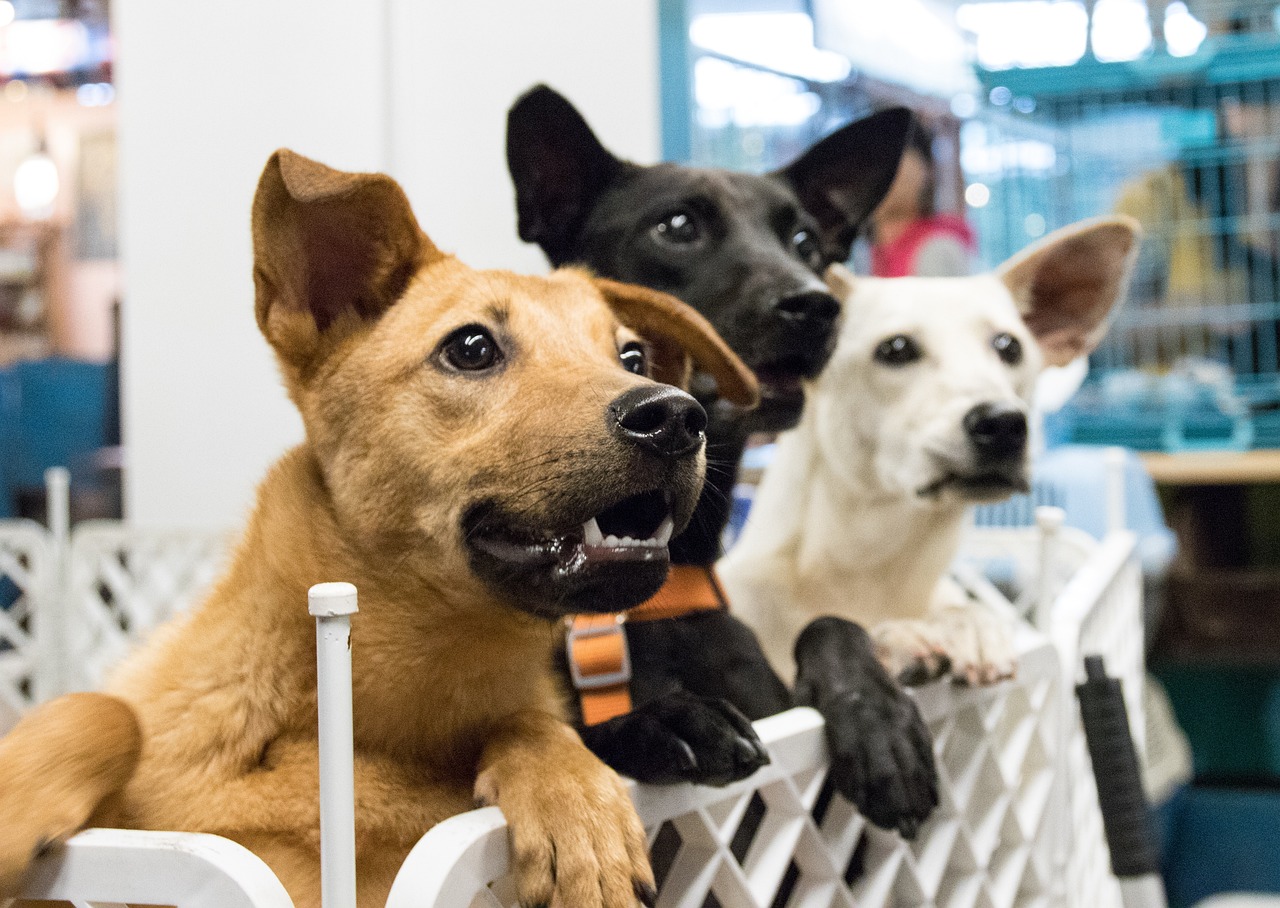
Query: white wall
459 66
419 89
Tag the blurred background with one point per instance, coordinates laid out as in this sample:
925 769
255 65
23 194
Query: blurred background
132 133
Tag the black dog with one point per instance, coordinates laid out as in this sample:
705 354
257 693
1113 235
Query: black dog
747 252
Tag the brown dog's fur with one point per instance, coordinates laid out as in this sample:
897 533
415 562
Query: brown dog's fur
454 698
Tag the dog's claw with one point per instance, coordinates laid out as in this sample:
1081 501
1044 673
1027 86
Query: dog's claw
746 751
679 738
685 757
646 894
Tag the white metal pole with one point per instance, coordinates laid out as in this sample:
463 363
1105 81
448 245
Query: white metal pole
53 636
1117 506
1049 520
333 604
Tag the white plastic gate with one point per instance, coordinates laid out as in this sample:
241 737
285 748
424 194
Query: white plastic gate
1018 824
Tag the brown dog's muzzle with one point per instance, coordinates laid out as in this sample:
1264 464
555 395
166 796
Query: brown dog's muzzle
599 543
659 419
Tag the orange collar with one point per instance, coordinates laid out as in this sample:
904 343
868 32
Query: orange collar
597 644
689 588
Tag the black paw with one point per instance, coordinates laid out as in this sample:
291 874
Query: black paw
881 758
679 737
881 751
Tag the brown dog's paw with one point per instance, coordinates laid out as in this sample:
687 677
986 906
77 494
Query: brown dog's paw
57 767
979 644
20 845
575 837
911 651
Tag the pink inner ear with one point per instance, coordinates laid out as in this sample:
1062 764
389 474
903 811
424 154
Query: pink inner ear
1062 345
1066 320
339 271
1069 284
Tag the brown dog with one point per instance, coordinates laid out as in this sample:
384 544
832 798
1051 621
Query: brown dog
475 441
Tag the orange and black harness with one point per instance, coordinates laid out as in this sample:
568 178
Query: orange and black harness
599 661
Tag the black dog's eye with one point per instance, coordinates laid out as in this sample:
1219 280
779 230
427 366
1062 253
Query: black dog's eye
807 248
899 350
633 358
471 349
1008 347
678 229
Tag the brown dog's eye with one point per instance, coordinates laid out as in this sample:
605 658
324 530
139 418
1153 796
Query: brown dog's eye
1008 347
470 349
899 350
633 358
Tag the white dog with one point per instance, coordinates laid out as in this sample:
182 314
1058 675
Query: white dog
921 412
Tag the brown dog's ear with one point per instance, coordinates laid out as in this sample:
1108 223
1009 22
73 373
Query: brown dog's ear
678 334
330 248
1067 284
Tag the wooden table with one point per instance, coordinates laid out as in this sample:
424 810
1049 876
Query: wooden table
1223 591
1214 468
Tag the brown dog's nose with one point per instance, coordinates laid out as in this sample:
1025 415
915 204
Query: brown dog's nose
996 430
660 419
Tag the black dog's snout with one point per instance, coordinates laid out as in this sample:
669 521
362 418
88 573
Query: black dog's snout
996 430
660 419
811 306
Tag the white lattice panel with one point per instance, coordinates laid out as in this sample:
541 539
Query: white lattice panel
26 594
1012 555
122 583
781 838
1018 824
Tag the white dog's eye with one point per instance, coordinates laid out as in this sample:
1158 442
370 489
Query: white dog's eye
633 358
1008 347
899 350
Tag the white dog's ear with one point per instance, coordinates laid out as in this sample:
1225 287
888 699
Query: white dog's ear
840 281
1067 284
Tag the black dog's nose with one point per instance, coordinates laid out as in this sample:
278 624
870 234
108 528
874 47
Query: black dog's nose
811 306
658 418
996 430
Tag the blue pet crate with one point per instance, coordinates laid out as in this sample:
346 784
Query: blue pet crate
1191 147
53 412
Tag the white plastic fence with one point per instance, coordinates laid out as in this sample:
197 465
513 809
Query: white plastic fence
121 583
1018 824
27 570
984 846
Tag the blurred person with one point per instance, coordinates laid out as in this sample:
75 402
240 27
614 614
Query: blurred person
910 237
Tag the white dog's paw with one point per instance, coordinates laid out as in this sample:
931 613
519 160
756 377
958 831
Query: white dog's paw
912 651
978 643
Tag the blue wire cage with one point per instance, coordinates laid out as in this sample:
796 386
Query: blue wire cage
1191 147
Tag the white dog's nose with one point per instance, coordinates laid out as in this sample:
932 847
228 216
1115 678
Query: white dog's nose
996 430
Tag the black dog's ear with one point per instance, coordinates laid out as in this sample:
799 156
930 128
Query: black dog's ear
842 178
559 169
